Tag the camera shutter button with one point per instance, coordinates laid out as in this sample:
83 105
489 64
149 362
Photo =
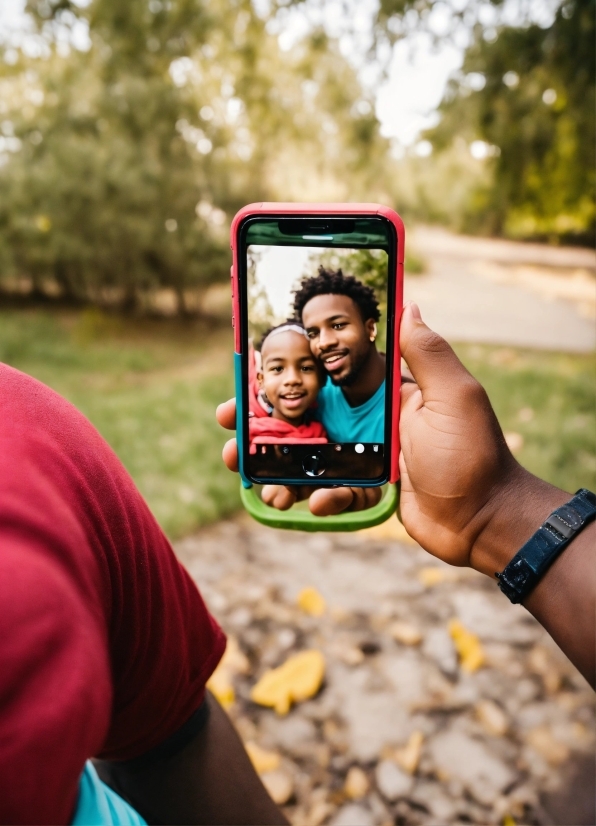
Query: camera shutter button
313 464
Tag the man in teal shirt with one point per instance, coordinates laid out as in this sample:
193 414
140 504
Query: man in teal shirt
340 315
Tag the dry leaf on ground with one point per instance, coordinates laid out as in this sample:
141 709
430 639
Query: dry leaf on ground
299 678
311 602
471 655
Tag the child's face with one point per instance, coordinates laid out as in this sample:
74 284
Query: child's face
289 375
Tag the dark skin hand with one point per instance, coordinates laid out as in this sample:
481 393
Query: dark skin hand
464 498
210 781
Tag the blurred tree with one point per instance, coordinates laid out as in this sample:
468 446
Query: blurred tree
125 156
529 96
525 95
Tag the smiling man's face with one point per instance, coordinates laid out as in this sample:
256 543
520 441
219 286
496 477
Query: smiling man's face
338 336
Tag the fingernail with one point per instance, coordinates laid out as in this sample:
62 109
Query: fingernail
415 310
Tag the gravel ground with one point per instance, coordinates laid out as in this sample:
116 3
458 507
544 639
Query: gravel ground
399 733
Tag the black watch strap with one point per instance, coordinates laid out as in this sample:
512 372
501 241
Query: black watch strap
533 560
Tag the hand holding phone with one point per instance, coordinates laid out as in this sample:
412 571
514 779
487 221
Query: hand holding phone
456 468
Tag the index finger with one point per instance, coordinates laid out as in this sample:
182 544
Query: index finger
226 414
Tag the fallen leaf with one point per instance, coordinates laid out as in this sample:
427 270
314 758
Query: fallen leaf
408 757
356 785
311 602
299 678
262 760
405 633
467 644
432 576
220 685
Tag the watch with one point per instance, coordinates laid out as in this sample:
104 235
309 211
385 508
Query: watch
532 561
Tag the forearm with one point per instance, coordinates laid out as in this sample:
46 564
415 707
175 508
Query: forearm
209 781
564 601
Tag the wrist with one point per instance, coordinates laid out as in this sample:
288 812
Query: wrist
518 506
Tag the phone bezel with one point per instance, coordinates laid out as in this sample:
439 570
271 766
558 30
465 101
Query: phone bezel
241 322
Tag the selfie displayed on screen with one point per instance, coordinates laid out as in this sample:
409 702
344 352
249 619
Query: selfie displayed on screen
317 328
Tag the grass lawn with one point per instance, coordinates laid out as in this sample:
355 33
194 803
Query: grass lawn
151 387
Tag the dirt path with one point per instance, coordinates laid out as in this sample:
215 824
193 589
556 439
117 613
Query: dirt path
503 292
400 733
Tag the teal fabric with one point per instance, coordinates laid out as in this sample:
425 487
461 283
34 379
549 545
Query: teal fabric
98 805
365 423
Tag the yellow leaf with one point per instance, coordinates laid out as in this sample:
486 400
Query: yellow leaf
408 757
262 760
311 602
430 577
299 678
220 685
471 655
509 821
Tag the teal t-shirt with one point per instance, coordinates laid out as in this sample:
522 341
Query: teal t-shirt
365 423
98 805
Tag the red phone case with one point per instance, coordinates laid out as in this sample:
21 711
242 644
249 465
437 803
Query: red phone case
331 209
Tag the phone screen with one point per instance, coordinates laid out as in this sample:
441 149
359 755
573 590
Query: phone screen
319 326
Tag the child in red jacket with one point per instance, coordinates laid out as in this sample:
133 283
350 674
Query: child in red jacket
289 380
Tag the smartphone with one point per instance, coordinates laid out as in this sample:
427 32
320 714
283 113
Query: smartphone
317 295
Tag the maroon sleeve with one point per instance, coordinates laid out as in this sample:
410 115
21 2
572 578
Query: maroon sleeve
105 642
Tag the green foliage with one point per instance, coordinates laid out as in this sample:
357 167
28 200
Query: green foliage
536 112
126 161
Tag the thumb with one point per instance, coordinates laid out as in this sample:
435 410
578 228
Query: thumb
432 362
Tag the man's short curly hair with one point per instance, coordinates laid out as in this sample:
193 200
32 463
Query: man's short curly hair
329 282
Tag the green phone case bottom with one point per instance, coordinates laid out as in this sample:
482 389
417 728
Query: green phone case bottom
303 520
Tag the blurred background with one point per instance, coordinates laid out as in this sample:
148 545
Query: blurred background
131 132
